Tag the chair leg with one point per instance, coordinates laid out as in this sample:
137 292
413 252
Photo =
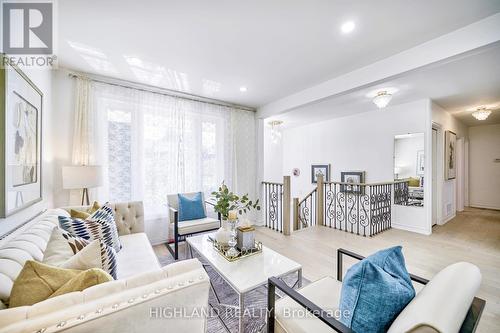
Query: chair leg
176 248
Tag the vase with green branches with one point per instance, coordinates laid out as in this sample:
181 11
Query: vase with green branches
227 201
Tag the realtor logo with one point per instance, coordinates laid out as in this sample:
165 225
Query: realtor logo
27 27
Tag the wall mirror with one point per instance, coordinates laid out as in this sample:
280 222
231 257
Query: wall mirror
409 166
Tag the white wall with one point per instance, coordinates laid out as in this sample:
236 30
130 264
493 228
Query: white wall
359 142
43 80
484 172
273 158
64 104
448 188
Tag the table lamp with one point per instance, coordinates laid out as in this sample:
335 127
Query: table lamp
82 177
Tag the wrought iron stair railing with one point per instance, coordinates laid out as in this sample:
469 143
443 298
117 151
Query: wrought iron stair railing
277 205
306 211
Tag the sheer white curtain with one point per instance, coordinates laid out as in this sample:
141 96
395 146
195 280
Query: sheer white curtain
153 145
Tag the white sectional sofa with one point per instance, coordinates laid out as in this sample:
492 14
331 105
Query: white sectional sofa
144 298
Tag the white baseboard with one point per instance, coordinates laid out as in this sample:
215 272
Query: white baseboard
484 207
409 228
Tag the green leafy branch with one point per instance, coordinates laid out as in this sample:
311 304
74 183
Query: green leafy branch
227 201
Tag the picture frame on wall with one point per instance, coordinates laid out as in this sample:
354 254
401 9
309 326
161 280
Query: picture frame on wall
450 144
352 177
20 141
420 163
320 169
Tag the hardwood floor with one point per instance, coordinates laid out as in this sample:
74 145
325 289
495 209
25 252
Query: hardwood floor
473 236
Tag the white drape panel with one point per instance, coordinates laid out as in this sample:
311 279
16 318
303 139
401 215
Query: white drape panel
153 145
84 135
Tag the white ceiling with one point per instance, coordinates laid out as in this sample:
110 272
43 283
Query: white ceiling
274 48
458 85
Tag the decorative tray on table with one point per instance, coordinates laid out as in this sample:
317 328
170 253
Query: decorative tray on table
242 253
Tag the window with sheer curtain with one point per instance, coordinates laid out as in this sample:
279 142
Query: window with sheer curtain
153 145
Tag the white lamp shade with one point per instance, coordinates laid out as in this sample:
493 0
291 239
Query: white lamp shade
81 176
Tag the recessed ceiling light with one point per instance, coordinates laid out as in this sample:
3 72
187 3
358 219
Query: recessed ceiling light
347 27
243 89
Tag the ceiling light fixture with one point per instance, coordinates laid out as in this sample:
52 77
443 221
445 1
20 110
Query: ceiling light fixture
275 130
481 113
347 27
243 89
382 99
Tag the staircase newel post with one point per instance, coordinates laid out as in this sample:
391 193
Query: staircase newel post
287 197
320 201
296 214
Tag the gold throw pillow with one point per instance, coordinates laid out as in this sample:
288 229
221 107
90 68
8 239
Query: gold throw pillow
84 280
78 214
37 282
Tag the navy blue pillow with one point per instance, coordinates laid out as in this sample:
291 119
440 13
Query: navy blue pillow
375 291
191 208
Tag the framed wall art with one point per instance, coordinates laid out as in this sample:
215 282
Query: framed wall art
450 143
20 141
352 177
320 169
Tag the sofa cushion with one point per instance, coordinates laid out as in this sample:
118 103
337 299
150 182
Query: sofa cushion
292 317
443 303
97 254
189 227
136 256
191 208
375 291
100 225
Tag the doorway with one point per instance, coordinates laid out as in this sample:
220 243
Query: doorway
435 201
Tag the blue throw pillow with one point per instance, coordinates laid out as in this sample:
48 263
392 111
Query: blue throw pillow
191 208
375 291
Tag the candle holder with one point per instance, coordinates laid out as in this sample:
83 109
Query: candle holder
232 251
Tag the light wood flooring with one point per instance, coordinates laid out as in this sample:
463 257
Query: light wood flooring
473 236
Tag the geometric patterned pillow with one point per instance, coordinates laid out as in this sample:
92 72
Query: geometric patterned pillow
76 243
100 225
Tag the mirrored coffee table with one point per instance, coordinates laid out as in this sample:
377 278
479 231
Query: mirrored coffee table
245 274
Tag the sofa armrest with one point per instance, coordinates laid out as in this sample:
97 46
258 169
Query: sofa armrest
315 310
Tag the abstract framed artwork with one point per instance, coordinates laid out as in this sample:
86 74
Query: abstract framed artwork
20 141
352 177
320 169
450 143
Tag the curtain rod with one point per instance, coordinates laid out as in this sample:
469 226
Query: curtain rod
156 90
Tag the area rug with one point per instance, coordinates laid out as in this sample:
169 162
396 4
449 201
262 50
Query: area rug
255 301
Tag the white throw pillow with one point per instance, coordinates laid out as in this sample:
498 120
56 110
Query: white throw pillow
94 255
58 251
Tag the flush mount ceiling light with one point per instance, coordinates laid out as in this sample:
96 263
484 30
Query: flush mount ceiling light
243 89
275 130
382 99
347 27
481 113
